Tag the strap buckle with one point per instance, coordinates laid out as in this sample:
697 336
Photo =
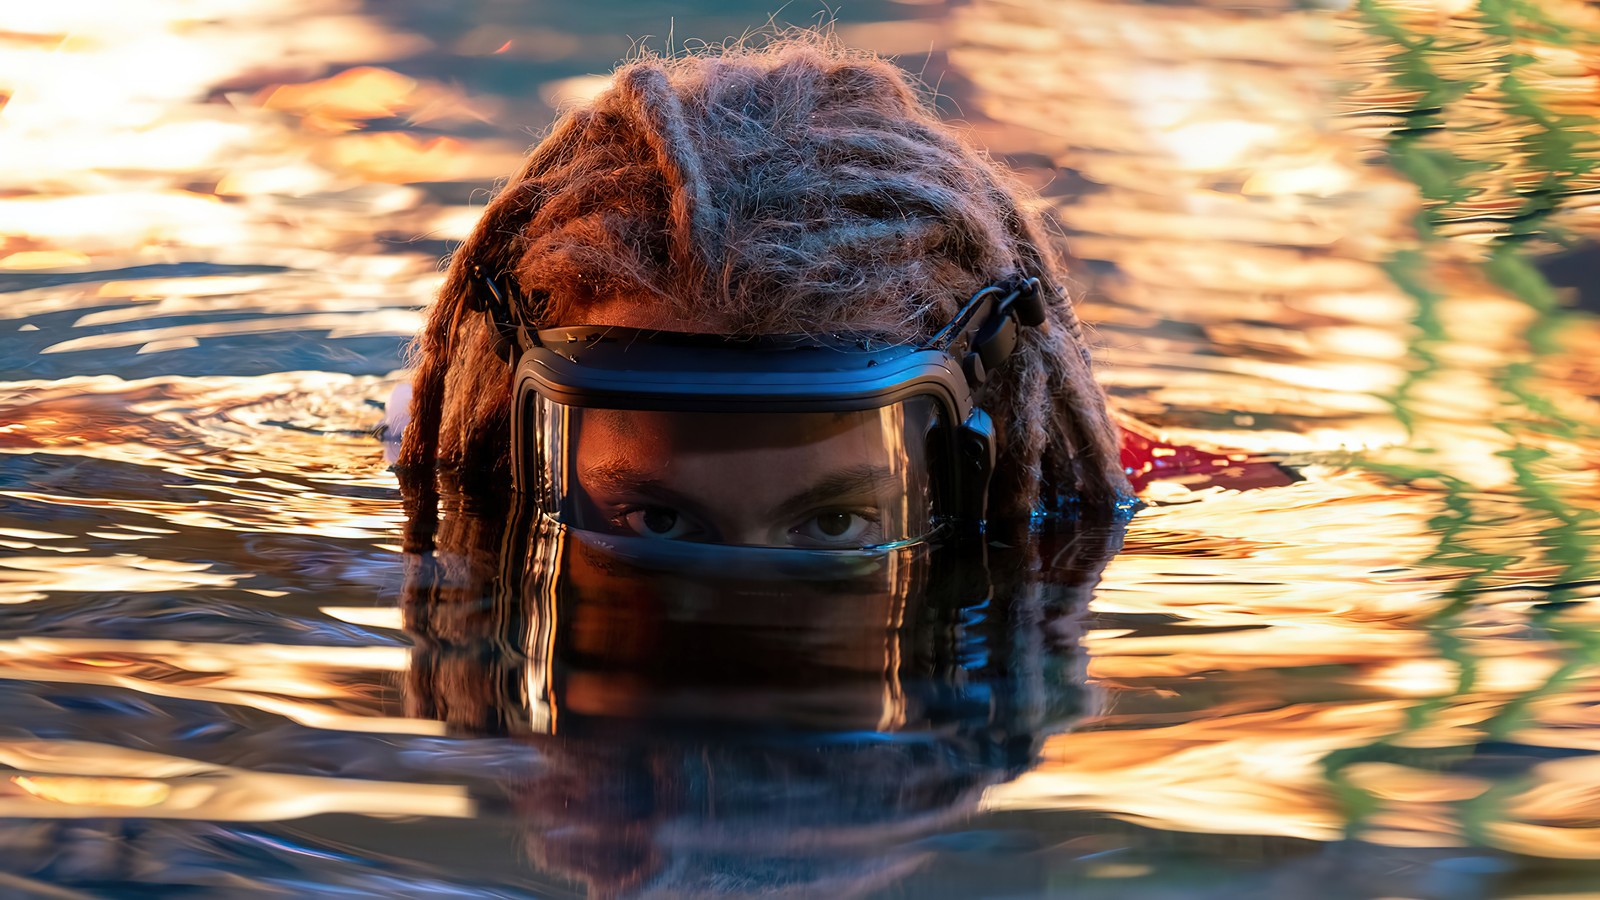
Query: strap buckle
989 327
496 302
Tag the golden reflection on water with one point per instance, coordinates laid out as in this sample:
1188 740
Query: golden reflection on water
1292 229
161 786
1415 579
161 133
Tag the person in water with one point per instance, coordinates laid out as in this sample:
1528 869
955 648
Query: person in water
763 296
740 307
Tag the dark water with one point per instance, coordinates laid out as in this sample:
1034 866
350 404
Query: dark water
1338 259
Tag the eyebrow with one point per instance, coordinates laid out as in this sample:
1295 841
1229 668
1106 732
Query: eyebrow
855 481
621 478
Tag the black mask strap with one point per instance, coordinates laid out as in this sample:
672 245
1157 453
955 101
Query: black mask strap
984 333
498 302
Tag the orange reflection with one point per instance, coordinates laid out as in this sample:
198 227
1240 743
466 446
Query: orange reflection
73 779
1251 217
1306 631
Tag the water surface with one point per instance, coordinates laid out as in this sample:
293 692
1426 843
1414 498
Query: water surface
1348 651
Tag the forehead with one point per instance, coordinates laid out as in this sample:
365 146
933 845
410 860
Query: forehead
631 313
642 311
714 432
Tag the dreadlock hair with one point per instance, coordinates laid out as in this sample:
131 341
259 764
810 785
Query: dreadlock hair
793 187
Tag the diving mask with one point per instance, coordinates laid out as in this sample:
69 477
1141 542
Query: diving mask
840 441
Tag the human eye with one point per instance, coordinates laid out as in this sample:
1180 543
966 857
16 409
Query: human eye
662 523
839 528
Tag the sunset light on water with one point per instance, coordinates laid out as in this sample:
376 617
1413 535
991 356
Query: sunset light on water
1338 261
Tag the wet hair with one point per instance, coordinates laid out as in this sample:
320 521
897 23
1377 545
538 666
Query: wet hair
797 186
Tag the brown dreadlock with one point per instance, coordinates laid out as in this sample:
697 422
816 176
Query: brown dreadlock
794 187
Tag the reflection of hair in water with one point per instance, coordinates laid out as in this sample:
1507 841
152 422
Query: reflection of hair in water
648 809
712 819
798 187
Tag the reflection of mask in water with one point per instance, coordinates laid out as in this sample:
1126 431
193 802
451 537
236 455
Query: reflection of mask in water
747 717
612 635
638 633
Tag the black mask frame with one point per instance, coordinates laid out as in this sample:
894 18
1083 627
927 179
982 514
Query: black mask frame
614 367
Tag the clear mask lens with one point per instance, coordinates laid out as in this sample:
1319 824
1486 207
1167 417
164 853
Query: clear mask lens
813 480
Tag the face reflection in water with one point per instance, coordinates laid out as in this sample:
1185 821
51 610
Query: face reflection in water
708 720
806 480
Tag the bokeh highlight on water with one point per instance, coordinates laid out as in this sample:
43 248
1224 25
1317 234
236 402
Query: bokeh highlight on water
1341 241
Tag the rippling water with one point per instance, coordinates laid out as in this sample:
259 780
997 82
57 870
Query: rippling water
1339 260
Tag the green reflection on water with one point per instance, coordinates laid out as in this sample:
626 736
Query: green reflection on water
1562 148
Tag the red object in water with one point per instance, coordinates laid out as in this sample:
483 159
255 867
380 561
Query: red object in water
1147 458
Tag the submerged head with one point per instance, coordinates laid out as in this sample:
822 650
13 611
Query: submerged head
794 188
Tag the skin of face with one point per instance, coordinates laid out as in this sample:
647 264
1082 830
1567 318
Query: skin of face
819 480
